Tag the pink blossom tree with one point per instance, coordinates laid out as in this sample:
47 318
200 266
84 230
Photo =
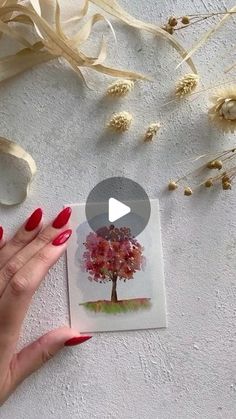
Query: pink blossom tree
112 254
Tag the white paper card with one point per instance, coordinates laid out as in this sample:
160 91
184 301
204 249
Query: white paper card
116 284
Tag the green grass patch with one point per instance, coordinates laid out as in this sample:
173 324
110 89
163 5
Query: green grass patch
122 306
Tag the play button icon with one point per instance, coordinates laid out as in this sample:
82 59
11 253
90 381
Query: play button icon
117 210
119 202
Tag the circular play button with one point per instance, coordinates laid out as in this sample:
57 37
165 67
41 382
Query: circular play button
118 202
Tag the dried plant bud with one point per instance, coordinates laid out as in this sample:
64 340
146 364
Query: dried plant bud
215 164
173 21
121 121
172 186
211 164
209 183
223 111
226 186
120 88
228 110
185 20
225 178
186 85
188 191
218 164
152 131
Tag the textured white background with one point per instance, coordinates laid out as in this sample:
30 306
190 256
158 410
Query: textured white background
187 371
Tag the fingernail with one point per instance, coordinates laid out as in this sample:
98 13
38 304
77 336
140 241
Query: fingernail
62 238
34 220
1 233
62 219
77 340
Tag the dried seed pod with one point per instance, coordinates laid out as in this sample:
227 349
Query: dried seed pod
120 88
215 164
228 110
172 186
225 178
218 164
186 85
188 191
185 20
152 131
211 164
121 121
226 186
209 183
223 111
173 21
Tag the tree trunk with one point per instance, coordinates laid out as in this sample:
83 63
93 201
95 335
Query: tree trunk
114 292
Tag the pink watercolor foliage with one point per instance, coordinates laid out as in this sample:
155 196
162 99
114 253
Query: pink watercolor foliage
112 253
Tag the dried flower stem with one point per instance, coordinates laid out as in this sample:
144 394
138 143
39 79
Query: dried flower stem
212 14
190 24
191 173
200 91
225 174
193 19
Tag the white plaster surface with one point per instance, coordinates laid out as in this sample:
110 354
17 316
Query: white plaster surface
187 371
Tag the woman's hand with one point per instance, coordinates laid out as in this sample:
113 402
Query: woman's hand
24 261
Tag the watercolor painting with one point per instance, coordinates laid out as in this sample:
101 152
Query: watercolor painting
113 255
116 281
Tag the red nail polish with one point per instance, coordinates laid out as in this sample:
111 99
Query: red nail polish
1 233
62 219
77 340
62 238
34 220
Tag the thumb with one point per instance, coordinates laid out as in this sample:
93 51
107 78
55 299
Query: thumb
34 356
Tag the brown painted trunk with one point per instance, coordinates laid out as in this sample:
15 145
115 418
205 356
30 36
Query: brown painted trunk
114 292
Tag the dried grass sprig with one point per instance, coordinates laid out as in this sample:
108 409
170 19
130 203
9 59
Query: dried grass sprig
223 162
194 93
120 122
186 85
120 88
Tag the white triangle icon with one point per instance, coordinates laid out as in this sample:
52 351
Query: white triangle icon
117 210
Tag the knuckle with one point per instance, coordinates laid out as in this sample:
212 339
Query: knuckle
45 352
46 356
11 268
19 285
42 239
43 257
19 241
